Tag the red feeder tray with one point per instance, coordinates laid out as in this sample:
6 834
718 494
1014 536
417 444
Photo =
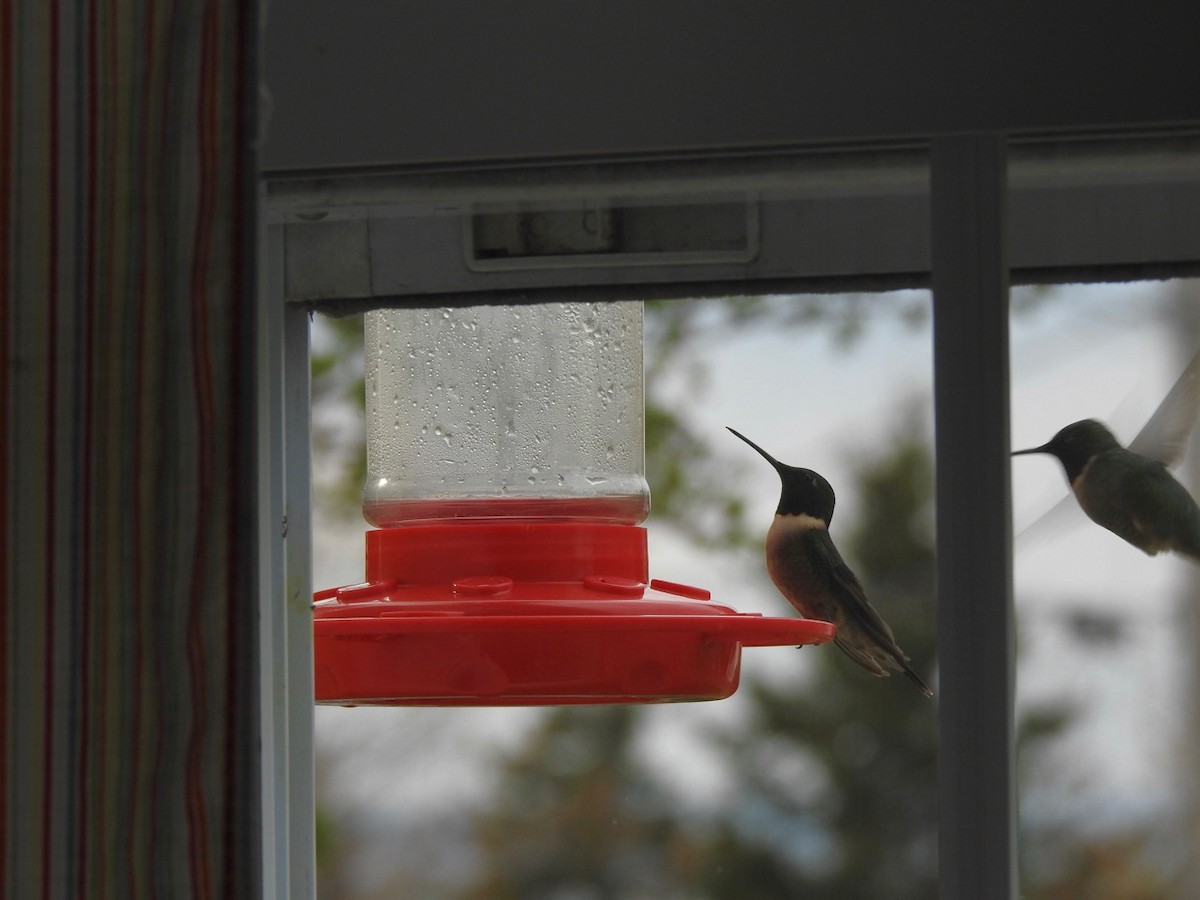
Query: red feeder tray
482 614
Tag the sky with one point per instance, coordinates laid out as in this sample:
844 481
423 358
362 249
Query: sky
1099 351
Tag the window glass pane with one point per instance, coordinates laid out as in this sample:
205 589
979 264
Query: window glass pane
814 776
1105 631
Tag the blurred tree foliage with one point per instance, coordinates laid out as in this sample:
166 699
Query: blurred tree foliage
576 815
834 777
338 400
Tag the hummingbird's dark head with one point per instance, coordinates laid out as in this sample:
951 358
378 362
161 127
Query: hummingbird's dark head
1075 445
805 492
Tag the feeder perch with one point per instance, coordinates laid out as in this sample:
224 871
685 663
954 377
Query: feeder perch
529 614
505 457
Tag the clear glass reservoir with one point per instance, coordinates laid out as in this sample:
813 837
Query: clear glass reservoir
515 412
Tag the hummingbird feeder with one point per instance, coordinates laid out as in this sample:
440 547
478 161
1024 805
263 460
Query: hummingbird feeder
505 457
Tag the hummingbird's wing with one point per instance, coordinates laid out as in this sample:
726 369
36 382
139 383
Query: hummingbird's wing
1057 519
861 632
1165 437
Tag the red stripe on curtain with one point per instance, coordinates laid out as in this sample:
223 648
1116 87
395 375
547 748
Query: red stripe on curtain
51 363
7 115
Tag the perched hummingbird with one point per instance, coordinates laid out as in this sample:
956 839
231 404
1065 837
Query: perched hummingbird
811 574
1131 495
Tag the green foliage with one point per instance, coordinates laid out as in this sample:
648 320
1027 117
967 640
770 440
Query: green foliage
577 816
673 327
338 398
835 779
1112 869
688 487
893 541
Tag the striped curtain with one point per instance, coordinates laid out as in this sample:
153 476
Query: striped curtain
128 690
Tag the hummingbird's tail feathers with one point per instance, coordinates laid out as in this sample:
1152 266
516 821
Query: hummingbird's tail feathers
1189 546
1190 555
915 679
865 656
862 634
882 661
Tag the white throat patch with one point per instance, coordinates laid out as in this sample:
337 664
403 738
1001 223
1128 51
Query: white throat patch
802 522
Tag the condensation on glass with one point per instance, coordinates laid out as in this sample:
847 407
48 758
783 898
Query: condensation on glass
515 412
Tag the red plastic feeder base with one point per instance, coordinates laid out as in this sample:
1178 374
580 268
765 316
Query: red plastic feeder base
481 614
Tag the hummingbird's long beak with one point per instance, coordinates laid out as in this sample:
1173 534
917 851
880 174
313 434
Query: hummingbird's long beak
1045 448
767 456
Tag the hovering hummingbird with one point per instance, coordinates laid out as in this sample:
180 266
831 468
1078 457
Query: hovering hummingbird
808 570
1131 495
